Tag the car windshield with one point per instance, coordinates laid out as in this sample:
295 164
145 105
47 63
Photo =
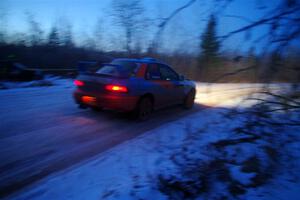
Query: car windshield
122 69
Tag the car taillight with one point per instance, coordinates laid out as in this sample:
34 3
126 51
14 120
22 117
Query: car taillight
78 83
116 88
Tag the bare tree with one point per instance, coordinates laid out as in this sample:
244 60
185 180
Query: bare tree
89 42
35 30
98 34
164 22
283 22
129 15
283 33
65 32
3 26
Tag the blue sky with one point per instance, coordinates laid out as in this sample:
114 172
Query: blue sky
182 34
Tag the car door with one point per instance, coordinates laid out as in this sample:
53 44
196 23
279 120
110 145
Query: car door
175 85
157 86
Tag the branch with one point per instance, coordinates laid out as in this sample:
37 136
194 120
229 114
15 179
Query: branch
274 102
281 97
233 73
226 142
281 123
281 109
260 22
240 17
166 20
289 37
175 12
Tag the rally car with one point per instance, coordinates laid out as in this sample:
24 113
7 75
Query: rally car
138 85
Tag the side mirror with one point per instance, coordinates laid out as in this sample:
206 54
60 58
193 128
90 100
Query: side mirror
181 78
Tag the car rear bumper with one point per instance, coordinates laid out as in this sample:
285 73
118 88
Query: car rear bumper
110 101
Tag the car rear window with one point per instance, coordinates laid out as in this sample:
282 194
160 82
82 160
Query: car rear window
122 69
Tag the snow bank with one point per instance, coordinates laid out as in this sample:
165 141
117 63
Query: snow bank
46 82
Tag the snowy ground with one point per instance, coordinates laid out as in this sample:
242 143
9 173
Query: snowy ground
42 131
133 155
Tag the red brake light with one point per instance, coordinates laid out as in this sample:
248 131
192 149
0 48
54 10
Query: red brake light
116 88
78 83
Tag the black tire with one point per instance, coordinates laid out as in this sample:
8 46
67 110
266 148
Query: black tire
96 109
189 100
144 109
81 106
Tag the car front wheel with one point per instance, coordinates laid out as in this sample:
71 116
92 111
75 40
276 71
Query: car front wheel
189 100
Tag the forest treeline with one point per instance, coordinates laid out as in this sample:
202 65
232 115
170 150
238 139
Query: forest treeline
57 49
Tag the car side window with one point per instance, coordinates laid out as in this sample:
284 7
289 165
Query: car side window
168 74
153 72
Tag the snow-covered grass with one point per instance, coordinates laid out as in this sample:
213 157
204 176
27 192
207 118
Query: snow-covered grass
207 155
125 170
46 82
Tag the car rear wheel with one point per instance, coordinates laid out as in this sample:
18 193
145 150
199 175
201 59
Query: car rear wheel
189 100
96 109
144 109
81 106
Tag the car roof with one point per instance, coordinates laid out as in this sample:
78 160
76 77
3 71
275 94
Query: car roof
141 60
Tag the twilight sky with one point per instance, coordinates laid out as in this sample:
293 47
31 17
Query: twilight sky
182 34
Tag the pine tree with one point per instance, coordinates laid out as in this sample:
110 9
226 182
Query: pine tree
209 45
